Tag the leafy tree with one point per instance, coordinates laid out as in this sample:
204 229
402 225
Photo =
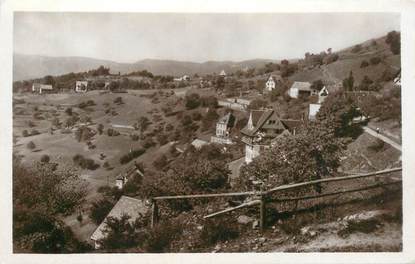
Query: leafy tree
393 39
45 158
100 128
192 101
348 82
100 209
31 145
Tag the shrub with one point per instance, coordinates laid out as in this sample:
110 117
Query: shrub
356 48
25 133
161 236
31 145
100 209
118 100
100 128
134 137
393 39
363 226
364 64
375 60
34 132
68 111
148 143
112 132
218 230
45 158
160 162
131 155
85 163
192 101
376 146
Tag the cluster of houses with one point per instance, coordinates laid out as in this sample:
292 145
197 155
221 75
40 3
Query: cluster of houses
80 87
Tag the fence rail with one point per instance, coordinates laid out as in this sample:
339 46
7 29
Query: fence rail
264 195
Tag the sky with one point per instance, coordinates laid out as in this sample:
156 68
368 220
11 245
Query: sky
129 37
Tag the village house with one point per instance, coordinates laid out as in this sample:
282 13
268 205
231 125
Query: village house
123 178
322 95
271 82
42 88
132 207
314 108
81 86
263 127
222 73
223 129
301 89
183 78
198 143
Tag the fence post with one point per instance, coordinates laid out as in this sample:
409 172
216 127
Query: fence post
262 213
154 214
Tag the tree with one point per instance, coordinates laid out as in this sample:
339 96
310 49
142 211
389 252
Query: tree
393 39
142 124
337 113
68 111
31 145
41 195
100 209
45 158
312 154
348 82
257 104
160 162
192 101
100 128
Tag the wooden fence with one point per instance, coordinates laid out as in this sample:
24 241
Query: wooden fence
261 198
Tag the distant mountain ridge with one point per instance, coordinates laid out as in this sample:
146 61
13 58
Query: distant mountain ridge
36 66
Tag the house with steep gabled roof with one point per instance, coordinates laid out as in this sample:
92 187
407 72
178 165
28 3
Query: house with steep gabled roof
126 205
271 82
81 86
223 127
322 94
262 128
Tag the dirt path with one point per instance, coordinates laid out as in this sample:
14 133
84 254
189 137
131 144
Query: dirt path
382 137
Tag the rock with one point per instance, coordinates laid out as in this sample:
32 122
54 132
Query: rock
243 219
255 224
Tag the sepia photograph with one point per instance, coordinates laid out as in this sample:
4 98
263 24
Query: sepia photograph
190 132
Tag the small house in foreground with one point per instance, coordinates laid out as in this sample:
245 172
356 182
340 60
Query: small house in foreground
42 88
132 207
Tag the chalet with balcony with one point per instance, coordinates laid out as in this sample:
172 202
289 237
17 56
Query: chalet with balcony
262 128
223 129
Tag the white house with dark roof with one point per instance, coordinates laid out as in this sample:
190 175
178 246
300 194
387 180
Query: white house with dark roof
322 95
132 207
223 127
262 128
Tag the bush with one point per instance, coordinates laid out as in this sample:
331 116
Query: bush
161 236
25 133
31 145
68 111
363 226
364 64
375 60
45 158
218 230
85 163
99 210
376 146
192 101
134 137
131 155
118 100
148 143
160 162
34 132
357 48
100 128
112 132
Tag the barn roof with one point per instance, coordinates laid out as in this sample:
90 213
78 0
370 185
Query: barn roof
301 86
126 205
